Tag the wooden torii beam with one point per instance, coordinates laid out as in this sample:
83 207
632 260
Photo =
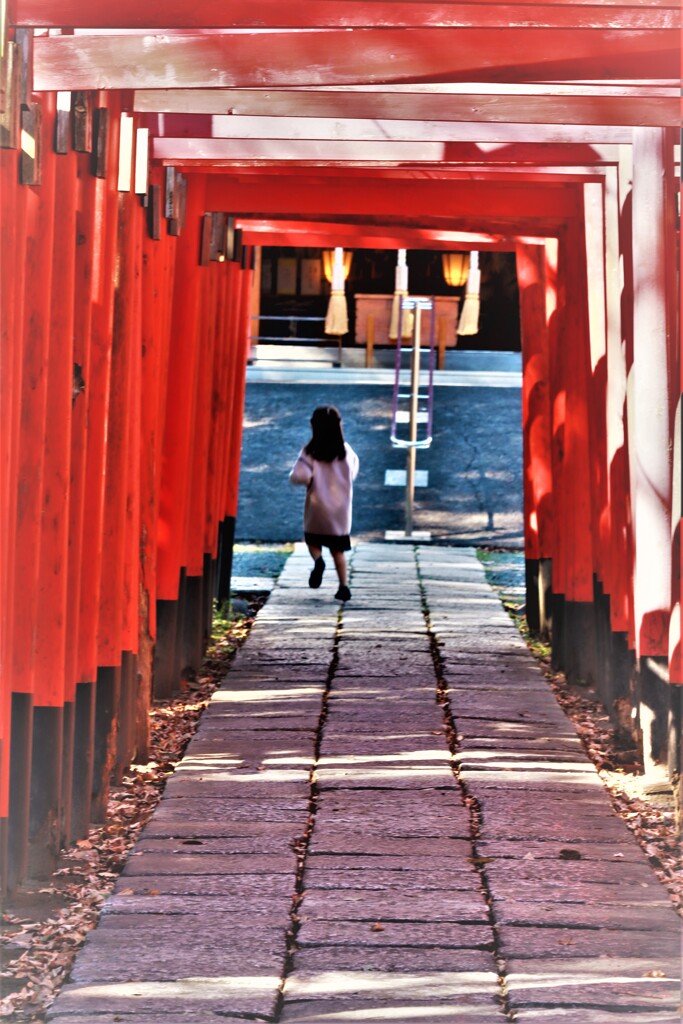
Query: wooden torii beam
431 111
320 233
351 14
339 57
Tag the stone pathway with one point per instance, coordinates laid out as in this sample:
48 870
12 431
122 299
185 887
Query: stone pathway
384 817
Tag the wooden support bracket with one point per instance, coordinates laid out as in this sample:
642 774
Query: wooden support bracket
62 123
10 72
100 135
81 122
205 241
30 156
218 229
154 212
24 40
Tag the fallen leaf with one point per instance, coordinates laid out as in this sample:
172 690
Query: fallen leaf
377 927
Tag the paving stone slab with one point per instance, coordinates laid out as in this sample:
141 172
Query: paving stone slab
345 958
477 729
567 873
284 721
136 1017
249 747
561 782
364 844
609 984
522 761
173 863
379 672
107 961
397 934
313 1013
393 989
382 624
569 943
365 749
397 904
553 849
418 662
265 831
406 738
264 698
259 847
435 812
365 722
402 776
232 809
283 654
483 704
349 690
367 862
272 909
454 658
234 887
552 746
255 994
254 675
388 827
496 677
244 785
376 879
549 1015
229 712
644 917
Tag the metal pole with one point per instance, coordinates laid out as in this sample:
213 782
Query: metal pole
414 394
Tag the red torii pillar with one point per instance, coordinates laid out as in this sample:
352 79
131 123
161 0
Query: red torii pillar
176 461
34 333
158 266
615 528
95 267
13 201
53 709
650 431
536 432
573 628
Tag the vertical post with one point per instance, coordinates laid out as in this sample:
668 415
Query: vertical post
12 240
369 340
35 336
411 460
650 432
53 702
577 519
226 450
651 392
536 428
617 455
179 412
441 342
101 237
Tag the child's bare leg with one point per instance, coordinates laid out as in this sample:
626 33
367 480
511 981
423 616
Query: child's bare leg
316 577
340 566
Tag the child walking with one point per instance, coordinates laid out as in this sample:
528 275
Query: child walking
327 467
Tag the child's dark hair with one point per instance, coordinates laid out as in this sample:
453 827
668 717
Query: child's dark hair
327 442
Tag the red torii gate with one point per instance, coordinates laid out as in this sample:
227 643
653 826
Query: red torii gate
540 127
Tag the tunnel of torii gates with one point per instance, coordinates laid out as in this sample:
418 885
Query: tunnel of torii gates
147 152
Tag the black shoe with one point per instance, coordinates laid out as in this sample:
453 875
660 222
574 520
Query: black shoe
316 577
343 594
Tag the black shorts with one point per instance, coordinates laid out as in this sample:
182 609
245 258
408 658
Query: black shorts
328 540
